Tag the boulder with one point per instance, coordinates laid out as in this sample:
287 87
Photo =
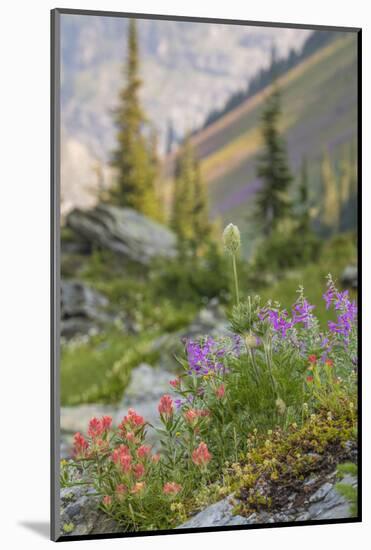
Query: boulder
123 231
80 514
82 309
349 277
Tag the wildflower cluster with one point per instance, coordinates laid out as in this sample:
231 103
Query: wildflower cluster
278 369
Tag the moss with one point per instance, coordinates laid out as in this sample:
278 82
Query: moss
277 469
279 462
68 527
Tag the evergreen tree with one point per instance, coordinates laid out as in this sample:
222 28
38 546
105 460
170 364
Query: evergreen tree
133 158
331 199
190 217
345 176
304 217
272 200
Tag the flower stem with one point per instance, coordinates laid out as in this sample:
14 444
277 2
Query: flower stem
235 279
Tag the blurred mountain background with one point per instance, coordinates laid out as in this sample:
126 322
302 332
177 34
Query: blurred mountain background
189 70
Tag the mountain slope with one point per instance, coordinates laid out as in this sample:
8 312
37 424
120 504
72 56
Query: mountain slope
319 104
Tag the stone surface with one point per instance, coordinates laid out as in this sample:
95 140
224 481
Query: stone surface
80 514
349 277
324 503
82 309
123 231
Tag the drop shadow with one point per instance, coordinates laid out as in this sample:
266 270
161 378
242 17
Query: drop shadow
42 528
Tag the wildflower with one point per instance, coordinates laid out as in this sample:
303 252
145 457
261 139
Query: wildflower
329 363
281 406
95 428
201 456
279 322
80 445
172 488
220 391
133 419
156 457
191 416
165 406
312 358
175 383
310 378
101 444
121 456
143 451
139 470
130 436
106 422
138 487
121 489
107 501
251 341
302 312
232 238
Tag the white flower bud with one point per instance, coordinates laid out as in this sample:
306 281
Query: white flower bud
231 238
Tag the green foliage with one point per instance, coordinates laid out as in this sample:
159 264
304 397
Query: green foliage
287 247
331 198
194 279
98 370
134 158
347 468
272 200
190 213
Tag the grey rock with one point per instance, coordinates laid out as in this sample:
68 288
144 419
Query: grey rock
349 277
82 309
147 384
80 514
217 515
321 492
123 231
325 503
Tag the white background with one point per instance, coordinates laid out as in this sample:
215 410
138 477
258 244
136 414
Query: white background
24 256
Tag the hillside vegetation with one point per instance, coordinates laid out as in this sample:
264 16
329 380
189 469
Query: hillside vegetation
319 103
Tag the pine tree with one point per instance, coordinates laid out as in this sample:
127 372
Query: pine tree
133 158
272 200
331 199
345 176
304 217
190 217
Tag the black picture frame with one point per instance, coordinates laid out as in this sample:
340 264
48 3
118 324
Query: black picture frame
55 266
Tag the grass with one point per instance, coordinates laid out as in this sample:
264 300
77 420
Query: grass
99 370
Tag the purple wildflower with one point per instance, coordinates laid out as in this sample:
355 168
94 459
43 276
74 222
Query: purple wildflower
329 295
280 323
302 313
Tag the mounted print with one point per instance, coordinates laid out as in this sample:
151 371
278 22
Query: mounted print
205 211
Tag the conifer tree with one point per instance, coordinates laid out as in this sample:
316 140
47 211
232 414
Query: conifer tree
331 199
272 200
190 217
133 158
304 217
345 176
